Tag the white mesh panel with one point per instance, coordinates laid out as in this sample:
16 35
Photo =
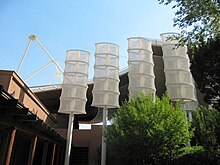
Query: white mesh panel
179 80
75 78
67 105
176 51
166 39
141 67
178 77
173 63
139 43
136 81
106 85
106 76
137 54
74 86
133 92
74 91
184 92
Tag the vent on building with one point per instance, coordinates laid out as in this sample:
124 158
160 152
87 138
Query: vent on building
79 155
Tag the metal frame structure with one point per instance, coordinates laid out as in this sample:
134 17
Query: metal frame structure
32 38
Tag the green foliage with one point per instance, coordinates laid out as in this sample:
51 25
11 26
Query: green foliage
190 150
206 70
200 17
195 155
207 132
145 131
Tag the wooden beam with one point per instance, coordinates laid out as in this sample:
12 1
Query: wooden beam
6 135
57 157
36 124
40 129
53 154
10 147
1 88
62 154
10 102
45 151
13 111
32 150
26 118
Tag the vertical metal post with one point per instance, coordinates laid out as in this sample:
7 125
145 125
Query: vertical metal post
104 145
190 115
69 139
182 105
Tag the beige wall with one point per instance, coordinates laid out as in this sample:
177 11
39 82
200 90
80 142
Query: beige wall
5 79
86 138
89 138
13 84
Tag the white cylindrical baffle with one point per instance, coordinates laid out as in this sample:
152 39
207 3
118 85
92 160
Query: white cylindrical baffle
141 67
106 76
179 81
74 87
106 84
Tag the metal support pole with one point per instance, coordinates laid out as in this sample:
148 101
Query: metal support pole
60 69
69 139
39 70
182 105
190 115
32 37
25 52
104 145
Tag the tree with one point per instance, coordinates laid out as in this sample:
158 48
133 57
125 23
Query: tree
145 131
207 132
206 70
198 20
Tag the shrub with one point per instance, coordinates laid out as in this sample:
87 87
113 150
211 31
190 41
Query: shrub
145 131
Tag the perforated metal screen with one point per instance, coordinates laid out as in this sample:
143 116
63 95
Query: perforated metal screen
141 67
74 86
106 76
179 80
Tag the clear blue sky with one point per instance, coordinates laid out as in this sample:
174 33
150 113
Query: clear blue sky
74 24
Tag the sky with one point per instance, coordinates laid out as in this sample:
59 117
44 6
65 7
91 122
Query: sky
73 24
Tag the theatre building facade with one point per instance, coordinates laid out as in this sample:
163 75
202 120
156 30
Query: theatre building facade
33 132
